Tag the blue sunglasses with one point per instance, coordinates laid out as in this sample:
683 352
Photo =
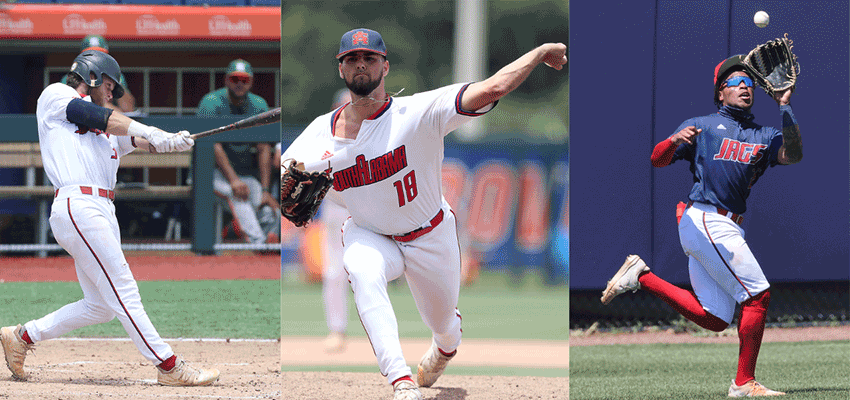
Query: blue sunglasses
732 82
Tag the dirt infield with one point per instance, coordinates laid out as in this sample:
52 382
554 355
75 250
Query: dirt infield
93 368
307 351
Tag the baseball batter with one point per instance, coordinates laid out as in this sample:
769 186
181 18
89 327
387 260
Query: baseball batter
385 155
727 152
82 143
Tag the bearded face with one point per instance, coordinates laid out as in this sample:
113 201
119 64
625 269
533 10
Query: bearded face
363 72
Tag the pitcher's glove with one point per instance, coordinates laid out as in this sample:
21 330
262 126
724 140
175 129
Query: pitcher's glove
773 65
302 192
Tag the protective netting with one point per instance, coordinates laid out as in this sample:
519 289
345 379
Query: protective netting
790 304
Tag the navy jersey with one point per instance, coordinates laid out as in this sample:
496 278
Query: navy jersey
728 157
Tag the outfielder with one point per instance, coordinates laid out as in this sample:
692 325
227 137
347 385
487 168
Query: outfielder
81 145
727 152
385 155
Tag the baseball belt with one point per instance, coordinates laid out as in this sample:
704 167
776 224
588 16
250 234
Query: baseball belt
736 218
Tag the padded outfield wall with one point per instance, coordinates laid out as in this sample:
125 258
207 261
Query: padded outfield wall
639 69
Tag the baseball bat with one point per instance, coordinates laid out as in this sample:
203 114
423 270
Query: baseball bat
265 118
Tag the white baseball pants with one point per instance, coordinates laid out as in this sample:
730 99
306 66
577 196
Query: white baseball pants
334 278
86 227
244 211
431 265
723 270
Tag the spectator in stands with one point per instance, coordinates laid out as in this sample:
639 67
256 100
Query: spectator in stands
127 103
243 174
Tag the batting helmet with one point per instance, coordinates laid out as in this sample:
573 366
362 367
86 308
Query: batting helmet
726 67
98 63
94 42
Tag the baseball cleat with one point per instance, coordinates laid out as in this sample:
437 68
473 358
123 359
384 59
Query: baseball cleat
751 389
625 279
406 390
432 365
16 351
334 343
184 374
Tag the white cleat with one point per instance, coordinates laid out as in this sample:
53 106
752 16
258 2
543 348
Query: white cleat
432 365
184 374
15 349
406 390
625 279
334 343
751 389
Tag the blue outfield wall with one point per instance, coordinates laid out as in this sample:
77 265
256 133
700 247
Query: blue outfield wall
641 68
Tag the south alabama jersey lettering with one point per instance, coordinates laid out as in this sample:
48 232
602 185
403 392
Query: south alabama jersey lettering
374 170
728 157
389 177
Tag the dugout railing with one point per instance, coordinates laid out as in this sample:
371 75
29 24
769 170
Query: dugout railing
19 140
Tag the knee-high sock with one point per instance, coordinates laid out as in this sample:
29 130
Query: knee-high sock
683 301
750 333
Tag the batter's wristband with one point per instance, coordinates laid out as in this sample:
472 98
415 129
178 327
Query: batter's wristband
788 120
140 130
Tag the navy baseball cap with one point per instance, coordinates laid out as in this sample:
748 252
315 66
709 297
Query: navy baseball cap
361 39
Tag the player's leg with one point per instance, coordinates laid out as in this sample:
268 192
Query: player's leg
730 273
372 260
95 244
334 278
244 211
433 271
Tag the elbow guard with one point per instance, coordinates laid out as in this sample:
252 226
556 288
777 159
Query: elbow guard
88 114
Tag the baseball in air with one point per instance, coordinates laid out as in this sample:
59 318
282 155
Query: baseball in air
761 19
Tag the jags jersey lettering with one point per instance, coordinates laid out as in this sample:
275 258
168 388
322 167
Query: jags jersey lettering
82 130
740 152
367 172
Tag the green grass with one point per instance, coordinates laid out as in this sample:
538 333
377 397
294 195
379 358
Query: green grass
221 308
452 370
805 370
494 307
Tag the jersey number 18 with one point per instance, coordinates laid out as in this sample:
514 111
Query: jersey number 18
407 189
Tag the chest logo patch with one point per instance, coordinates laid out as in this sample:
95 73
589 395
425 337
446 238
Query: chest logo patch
327 155
365 172
740 152
721 126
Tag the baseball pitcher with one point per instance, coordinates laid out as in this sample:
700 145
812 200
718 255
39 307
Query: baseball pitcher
384 155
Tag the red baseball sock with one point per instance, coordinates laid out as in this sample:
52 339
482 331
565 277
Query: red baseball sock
403 378
683 301
750 333
452 354
26 337
168 364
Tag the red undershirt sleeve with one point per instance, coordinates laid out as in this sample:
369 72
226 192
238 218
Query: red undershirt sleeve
663 153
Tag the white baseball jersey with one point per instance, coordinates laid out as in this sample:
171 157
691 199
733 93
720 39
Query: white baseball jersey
70 155
389 177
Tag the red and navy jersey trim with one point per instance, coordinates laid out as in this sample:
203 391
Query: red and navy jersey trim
335 116
461 111
382 110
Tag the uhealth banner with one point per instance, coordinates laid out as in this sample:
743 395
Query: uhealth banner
138 22
512 204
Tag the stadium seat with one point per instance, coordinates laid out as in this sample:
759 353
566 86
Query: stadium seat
87 1
264 3
35 1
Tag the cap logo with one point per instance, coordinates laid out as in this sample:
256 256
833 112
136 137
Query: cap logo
360 37
240 67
